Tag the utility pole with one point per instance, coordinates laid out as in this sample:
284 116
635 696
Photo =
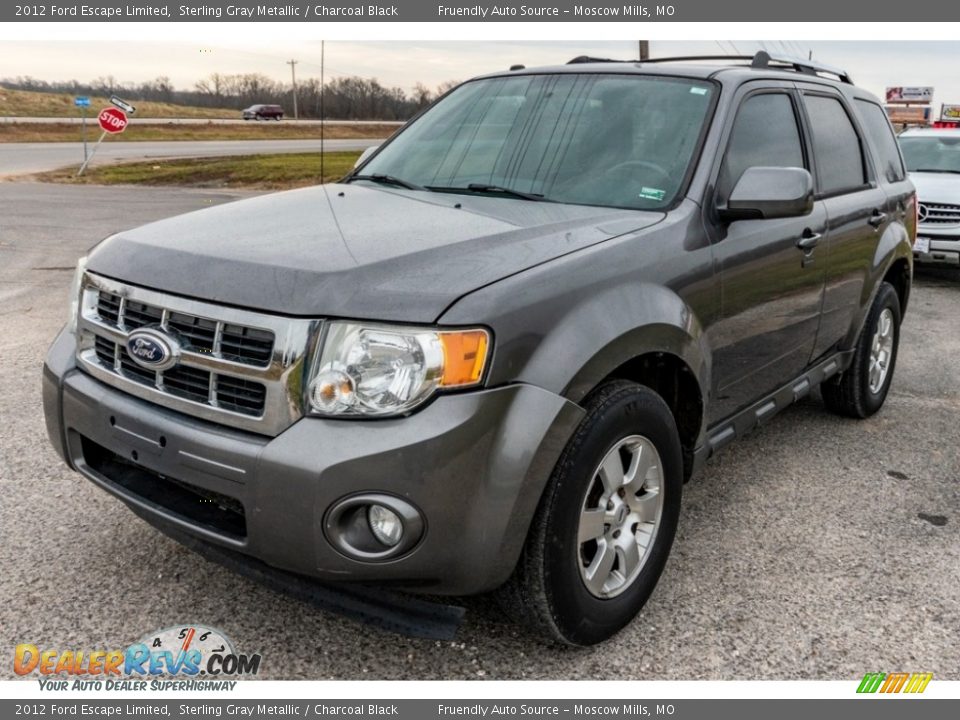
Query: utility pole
644 49
323 117
293 74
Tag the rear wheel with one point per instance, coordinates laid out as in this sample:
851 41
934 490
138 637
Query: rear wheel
863 387
605 525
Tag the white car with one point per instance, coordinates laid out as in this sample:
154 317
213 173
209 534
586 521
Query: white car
933 159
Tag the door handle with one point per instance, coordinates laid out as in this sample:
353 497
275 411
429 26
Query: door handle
877 219
808 241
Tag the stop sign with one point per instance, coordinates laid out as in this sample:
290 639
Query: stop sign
112 120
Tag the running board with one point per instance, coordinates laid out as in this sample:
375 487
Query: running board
760 413
393 611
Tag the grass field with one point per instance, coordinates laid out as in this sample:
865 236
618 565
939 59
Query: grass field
267 172
65 132
26 103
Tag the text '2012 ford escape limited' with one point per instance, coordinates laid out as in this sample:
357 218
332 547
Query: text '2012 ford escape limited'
490 357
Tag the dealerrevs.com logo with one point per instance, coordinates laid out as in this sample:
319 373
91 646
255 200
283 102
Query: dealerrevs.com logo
182 657
890 683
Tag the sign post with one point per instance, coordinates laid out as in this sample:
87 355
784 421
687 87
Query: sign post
112 121
83 103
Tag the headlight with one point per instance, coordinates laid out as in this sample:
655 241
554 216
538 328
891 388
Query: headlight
371 370
75 294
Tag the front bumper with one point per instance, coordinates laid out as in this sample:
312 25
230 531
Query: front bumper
474 464
944 247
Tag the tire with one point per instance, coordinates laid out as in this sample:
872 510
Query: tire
552 589
860 391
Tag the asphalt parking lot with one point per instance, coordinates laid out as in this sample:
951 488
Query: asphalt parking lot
816 548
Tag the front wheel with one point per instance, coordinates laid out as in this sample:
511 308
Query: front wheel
605 525
863 387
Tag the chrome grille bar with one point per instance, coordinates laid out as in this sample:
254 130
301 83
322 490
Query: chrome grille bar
939 214
259 397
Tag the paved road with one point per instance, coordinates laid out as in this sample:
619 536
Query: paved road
91 117
815 548
23 158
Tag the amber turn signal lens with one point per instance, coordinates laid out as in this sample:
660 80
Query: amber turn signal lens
464 357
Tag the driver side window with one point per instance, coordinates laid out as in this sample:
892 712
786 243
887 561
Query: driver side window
765 134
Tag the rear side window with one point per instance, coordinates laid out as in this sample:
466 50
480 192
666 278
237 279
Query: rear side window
765 134
836 146
876 125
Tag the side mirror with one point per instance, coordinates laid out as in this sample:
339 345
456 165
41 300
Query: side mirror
364 156
770 192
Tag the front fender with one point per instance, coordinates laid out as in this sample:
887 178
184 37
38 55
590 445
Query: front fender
593 341
566 338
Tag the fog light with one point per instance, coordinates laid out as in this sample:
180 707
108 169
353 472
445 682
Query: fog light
385 525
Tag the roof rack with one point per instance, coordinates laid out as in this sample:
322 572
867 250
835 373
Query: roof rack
762 60
584 59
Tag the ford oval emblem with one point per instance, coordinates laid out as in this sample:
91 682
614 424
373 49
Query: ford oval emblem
152 349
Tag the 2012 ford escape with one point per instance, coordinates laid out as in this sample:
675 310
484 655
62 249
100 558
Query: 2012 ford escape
490 357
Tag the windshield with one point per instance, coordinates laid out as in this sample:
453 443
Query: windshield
612 140
933 153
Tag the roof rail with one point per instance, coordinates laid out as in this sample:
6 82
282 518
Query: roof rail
762 60
765 60
583 59
686 58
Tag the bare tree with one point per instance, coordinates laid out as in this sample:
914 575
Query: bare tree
345 98
422 96
445 87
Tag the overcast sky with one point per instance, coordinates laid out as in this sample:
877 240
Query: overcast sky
874 65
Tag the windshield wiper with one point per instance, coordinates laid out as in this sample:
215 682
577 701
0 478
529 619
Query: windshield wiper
386 180
484 188
936 170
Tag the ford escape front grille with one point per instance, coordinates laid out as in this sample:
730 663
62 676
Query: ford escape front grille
235 367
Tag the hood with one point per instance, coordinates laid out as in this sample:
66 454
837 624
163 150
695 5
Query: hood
937 187
353 251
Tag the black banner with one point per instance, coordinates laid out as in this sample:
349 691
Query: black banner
467 11
875 709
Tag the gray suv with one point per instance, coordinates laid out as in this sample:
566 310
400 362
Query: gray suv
490 357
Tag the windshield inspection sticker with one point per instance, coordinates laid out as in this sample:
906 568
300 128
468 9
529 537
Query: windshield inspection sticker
648 193
698 91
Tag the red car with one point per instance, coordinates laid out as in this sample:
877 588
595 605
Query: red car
263 112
